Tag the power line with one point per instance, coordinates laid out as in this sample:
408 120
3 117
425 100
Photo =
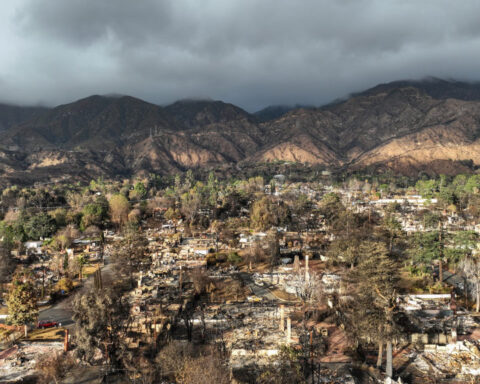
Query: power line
50 208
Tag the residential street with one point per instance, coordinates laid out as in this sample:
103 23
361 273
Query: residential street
62 311
454 280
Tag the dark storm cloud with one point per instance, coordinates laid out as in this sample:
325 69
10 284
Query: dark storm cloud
249 52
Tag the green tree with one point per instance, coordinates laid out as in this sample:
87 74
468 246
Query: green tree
60 217
139 191
22 302
331 208
189 179
177 183
462 245
372 315
18 227
7 262
426 188
431 220
92 214
212 186
424 247
7 234
40 226
393 229
473 184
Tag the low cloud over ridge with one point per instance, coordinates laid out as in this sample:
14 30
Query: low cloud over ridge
251 53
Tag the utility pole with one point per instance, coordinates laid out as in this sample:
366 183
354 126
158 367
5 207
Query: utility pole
155 334
289 330
440 245
43 281
311 356
282 317
180 281
307 274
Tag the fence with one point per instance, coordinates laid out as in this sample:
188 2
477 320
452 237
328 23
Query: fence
12 334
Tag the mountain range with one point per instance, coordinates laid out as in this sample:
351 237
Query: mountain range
407 127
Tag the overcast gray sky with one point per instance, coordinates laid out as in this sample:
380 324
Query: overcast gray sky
251 53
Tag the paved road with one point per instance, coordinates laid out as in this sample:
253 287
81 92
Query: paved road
454 280
262 292
61 311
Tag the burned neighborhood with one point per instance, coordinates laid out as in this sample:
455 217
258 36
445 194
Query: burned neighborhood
252 281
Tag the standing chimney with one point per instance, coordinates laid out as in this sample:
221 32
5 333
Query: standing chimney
454 330
180 280
296 264
289 330
307 275
65 341
282 317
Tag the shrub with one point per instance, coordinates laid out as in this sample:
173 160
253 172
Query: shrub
211 260
65 284
234 258
221 257
52 368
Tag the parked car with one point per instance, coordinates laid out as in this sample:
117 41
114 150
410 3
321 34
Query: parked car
48 324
